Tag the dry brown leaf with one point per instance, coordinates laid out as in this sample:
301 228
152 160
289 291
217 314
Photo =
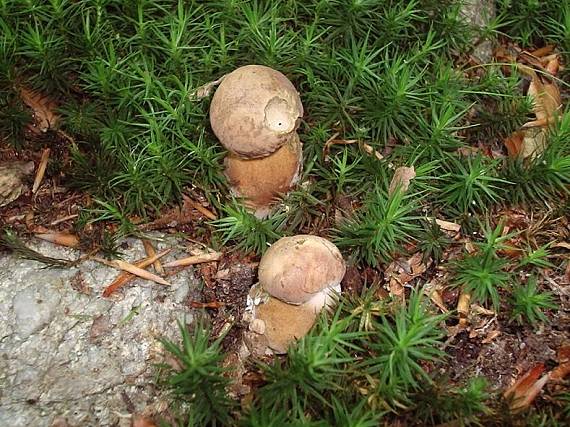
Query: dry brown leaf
205 90
470 247
546 95
195 259
43 109
401 179
63 239
563 368
514 143
142 421
447 225
401 272
368 149
543 51
553 64
522 393
437 299
565 245
491 336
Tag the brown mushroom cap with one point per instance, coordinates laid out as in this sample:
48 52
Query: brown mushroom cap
285 323
295 268
254 111
261 181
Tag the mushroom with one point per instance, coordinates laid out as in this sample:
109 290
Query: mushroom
297 278
255 111
295 269
261 181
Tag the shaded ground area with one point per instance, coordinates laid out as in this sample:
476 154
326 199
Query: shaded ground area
66 351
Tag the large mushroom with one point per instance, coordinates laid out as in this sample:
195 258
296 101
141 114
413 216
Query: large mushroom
255 113
261 181
297 278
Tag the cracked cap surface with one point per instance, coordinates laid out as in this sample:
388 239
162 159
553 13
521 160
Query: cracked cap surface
254 111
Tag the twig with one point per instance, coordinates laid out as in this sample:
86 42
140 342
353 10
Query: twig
206 212
41 170
196 259
151 252
125 277
137 271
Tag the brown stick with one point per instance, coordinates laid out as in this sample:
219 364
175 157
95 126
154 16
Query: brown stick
41 170
206 212
125 277
196 259
150 251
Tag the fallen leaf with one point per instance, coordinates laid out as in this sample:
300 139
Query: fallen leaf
514 143
401 179
546 96
142 421
62 239
490 337
483 311
522 393
400 272
563 368
43 109
368 149
205 90
543 51
447 225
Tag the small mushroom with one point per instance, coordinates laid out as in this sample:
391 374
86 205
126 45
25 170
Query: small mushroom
295 269
284 323
297 278
261 181
255 111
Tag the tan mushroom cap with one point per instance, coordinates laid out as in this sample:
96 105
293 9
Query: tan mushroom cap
254 111
296 268
261 181
285 323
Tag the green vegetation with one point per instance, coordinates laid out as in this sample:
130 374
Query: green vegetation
391 75
528 303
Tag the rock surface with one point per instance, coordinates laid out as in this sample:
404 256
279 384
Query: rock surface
67 353
479 13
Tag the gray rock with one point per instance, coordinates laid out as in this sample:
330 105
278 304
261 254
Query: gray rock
67 352
479 13
34 307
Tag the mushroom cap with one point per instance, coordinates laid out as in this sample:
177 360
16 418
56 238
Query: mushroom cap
296 268
261 181
285 323
254 111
